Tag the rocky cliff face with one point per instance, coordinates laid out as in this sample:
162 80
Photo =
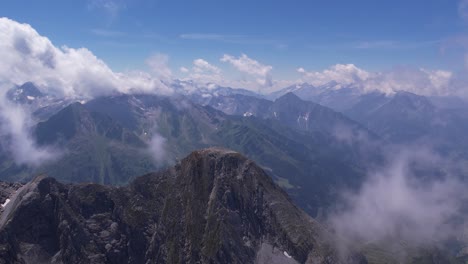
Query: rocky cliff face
215 206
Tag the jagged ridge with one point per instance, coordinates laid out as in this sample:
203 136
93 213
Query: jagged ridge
215 206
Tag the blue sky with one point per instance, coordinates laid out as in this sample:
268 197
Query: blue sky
374 35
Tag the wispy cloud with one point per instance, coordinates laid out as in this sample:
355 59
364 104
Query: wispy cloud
397 203
15 133
234 39
463 10
111 8
159 64
217 37
376 45
108 33
394 44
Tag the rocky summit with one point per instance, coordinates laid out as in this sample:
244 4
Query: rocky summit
214 206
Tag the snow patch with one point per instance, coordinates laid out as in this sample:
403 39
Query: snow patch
30 97
286 254
5 203
248 114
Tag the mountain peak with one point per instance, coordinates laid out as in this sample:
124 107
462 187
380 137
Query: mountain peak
413 101
216 206
289 97
65 124
218 151
26 93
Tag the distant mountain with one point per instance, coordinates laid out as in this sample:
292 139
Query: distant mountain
332 94
202 94
25 93
302 88
410 118
401 118
449 102
291 111
308 116
293 158
241 105
215 206
93 147
40 104
405 116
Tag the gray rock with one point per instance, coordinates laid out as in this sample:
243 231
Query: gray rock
215 206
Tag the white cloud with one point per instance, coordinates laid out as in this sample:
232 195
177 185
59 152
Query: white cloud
68 72
15 134
418 81
415 80
247 65
341 73
244 64
202 73
395 205
157 148
201 65
206 75
301 70
439 78
159 64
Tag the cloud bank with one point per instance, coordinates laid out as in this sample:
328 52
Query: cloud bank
78 73
396 205
416 80
64 72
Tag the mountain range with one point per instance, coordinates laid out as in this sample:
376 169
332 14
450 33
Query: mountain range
313 142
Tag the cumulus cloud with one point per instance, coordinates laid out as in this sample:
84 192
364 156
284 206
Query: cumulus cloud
247 65
396 204
301 70
251 67
416 80
15 134
419 81
204 72
66 72
341 73
201 65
